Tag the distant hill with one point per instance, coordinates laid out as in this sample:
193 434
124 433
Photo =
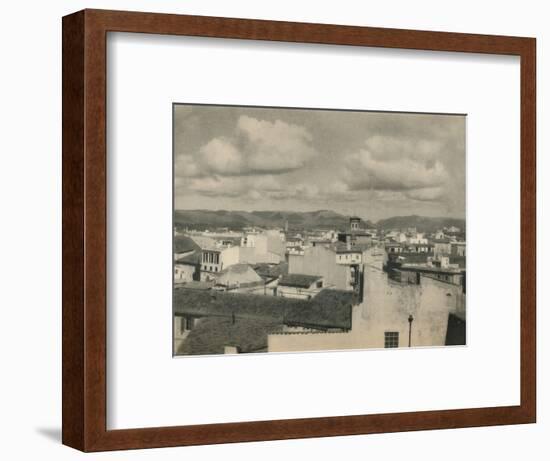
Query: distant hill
320 219
198 219
422 223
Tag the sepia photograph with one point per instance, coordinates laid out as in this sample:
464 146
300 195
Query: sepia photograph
300 230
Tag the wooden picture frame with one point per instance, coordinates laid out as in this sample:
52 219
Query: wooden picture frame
85 221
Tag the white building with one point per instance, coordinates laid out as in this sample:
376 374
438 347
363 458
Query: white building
351 256
215 260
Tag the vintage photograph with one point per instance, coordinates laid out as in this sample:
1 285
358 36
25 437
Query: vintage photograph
300 230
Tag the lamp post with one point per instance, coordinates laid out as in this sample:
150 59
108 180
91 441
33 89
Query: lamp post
411 318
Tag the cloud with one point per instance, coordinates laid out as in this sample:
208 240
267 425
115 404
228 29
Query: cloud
186 167
275 146
398 164
256 147
269 158
222 157
395 168
364 171
251 187
427 194
261 187
396 148
302 191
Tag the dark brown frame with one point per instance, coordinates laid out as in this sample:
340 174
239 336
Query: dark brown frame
85 244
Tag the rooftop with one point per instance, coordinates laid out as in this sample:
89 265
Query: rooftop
241 268
359 232
205 243
184 243
298 280
190 258
212 334
294 239
271 270
329 309
422 268
195 285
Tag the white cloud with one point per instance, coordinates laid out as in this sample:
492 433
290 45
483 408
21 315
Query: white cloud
256 147
397 168
364 171
275 146
395 148
222 157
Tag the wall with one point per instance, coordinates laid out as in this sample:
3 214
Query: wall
387 307
252 255
318 260
30 187
184 272
229 256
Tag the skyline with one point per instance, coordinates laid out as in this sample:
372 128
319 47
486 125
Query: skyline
364 218
371 164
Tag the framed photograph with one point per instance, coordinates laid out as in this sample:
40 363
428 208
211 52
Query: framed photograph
279 230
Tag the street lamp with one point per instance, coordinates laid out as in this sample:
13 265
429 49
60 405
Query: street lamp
411 318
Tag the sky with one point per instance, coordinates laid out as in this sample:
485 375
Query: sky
372 164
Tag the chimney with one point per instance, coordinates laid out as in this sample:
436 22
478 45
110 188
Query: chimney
231 350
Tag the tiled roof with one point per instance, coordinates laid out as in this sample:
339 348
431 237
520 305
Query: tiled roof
212 334
240 268
271 270
238 274
298 280
184 243
191 258
329 309
205 243
341 247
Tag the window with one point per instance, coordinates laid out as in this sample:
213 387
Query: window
391 339
320 284
180 325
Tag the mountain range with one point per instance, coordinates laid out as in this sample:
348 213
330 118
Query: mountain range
320 219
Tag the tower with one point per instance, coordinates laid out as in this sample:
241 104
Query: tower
354 222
